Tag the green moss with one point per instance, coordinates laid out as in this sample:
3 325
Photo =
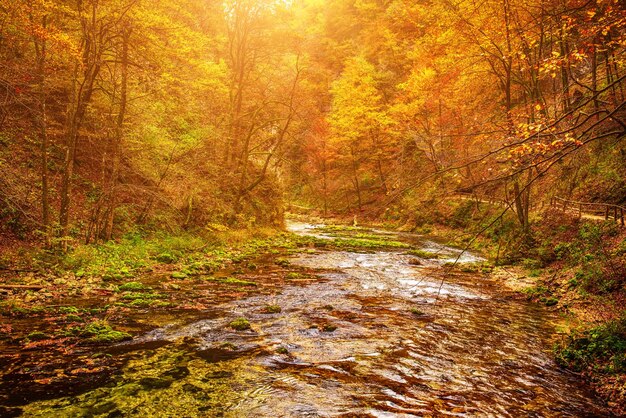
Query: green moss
139 295
240 324
283 262
282 350
536 291
132 286
271 309
470 268
37 336
73 318
178 275
425 254
368 243
98 332
166 258
68 309
233 281
227 345
417 312
329 328
293 276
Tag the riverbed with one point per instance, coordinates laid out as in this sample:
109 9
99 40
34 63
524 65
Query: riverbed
377 333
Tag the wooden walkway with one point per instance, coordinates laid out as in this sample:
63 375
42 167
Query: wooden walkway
590 210
584 210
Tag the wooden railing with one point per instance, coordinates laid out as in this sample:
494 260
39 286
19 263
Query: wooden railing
606 210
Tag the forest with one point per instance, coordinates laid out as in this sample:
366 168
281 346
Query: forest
161 161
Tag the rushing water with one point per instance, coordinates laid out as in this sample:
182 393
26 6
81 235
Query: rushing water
374 336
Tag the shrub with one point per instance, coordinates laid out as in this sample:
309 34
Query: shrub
602 348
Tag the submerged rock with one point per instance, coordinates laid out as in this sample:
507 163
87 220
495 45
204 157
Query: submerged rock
156 382
177 373
102 408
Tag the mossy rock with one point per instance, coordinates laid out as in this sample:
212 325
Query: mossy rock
240 324
37 336
272 309
293 276
100 332
132 286
178 275
227 345
283 262
329 328
417 312
73 318
429 255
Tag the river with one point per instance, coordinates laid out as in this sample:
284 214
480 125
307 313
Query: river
375 334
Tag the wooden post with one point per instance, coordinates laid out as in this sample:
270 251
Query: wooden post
606 213
622 215
580 211
615 213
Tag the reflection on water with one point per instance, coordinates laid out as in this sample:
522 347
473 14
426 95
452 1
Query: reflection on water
374 337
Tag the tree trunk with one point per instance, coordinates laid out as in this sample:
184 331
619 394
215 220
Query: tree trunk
119 135
357 186
91 64
40 52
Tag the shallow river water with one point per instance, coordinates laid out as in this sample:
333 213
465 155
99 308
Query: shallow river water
374 336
